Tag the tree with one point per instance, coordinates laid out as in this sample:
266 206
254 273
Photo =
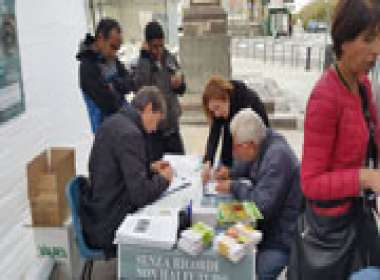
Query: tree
317 10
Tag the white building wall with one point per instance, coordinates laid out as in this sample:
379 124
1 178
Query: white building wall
49 32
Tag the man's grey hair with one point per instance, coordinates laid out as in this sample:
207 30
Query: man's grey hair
147 95
248 126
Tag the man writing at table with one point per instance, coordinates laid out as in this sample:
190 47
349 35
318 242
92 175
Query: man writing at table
122 178
265 158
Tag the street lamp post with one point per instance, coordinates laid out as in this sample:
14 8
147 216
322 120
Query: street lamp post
329 57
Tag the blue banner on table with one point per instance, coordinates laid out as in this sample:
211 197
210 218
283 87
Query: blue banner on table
149 263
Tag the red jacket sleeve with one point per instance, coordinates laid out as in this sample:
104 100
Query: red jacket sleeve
319 181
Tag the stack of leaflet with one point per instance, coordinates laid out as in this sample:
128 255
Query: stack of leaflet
191 242
246 234
233 212
237 241
229 248
194 240
149 231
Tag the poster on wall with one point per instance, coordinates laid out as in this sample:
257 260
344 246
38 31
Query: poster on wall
11 90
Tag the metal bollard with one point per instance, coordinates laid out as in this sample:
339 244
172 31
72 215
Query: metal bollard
246 48
320 59
292 56
265 52
329 57
308 59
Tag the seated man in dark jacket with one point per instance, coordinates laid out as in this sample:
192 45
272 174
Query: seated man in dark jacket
122 179
272 169
103 78
157 66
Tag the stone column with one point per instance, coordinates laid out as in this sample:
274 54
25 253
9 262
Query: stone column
205 45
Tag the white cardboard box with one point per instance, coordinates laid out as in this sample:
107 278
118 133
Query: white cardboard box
59 243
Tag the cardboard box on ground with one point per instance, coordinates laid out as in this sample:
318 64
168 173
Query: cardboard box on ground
58 243
48 174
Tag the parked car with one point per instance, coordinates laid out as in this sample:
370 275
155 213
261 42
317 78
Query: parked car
317 26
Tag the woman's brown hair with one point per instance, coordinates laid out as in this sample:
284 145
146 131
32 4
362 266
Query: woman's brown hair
352 18
216 88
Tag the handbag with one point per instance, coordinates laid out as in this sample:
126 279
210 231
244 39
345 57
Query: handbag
334 247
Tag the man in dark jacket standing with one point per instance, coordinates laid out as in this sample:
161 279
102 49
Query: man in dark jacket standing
103 78
272 169
122 178
156 66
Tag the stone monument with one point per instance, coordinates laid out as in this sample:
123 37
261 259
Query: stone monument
205 44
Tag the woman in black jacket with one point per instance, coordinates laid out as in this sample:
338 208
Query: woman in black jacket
222 99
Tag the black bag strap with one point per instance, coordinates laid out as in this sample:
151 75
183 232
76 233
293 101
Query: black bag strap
371 148
370 201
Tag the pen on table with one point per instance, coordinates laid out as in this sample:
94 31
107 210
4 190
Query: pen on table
190 208
181 187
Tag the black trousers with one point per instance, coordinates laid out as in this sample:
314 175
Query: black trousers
160 144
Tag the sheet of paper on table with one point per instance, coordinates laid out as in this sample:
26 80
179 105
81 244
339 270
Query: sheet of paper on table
148 230
184 166
178 183
210 190
184 169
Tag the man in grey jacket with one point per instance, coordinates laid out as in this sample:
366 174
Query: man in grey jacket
122 178
156 66
266 172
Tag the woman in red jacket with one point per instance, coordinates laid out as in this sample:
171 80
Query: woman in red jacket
340 142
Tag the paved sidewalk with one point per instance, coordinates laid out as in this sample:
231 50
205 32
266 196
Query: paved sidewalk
195 138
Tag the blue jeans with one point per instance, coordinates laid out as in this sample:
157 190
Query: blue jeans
270 263
366 274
